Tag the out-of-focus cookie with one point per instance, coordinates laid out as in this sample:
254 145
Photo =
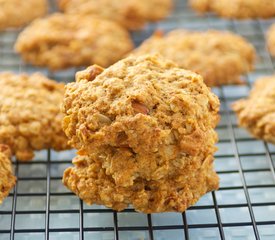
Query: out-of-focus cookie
220 57
236 8
142 125
257 112
271 40
61 41
17 13
132 14
30 116
7 179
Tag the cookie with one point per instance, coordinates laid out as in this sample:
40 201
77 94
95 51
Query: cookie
7 180
62 41
17 13
132 14
271 40
30 114
221 61
256 113
241 9
91 182
143 125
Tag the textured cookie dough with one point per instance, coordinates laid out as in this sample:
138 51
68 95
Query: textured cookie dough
30 116
7 180
257 112
271 40
220 57
17 13
236 8
141 126
132 14
61 41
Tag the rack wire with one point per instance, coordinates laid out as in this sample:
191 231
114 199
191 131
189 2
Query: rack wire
40 207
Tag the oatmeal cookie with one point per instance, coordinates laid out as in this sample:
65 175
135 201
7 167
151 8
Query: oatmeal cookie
132 14
17 13
146 123
271 40
257 112
61 41
30 116
7 180
147 94
92 183
241 9
220 57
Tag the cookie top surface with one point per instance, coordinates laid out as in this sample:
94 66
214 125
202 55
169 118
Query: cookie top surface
30 114
271 39
221 61
257 112
7 180
61 41
17 13
237 8
144 108
132 14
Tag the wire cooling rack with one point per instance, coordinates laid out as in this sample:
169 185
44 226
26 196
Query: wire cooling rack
40 207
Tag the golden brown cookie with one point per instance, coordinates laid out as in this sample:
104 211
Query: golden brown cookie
271 40
257 112
132 14
236 8
30 114
220 57
145 126
92 183
61 41
17 13
7 180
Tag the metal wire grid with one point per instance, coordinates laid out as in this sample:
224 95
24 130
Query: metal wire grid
40 207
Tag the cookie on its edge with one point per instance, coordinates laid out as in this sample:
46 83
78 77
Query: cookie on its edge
220 57
30 114
7 179
257 112
132 14
145 133
241 9
62 41
17 13
271 40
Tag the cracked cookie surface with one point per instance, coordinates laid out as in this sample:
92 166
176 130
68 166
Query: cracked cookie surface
17 13
7 179
30 114
132 14
148 126
221 61
257 112
236 8
62 41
